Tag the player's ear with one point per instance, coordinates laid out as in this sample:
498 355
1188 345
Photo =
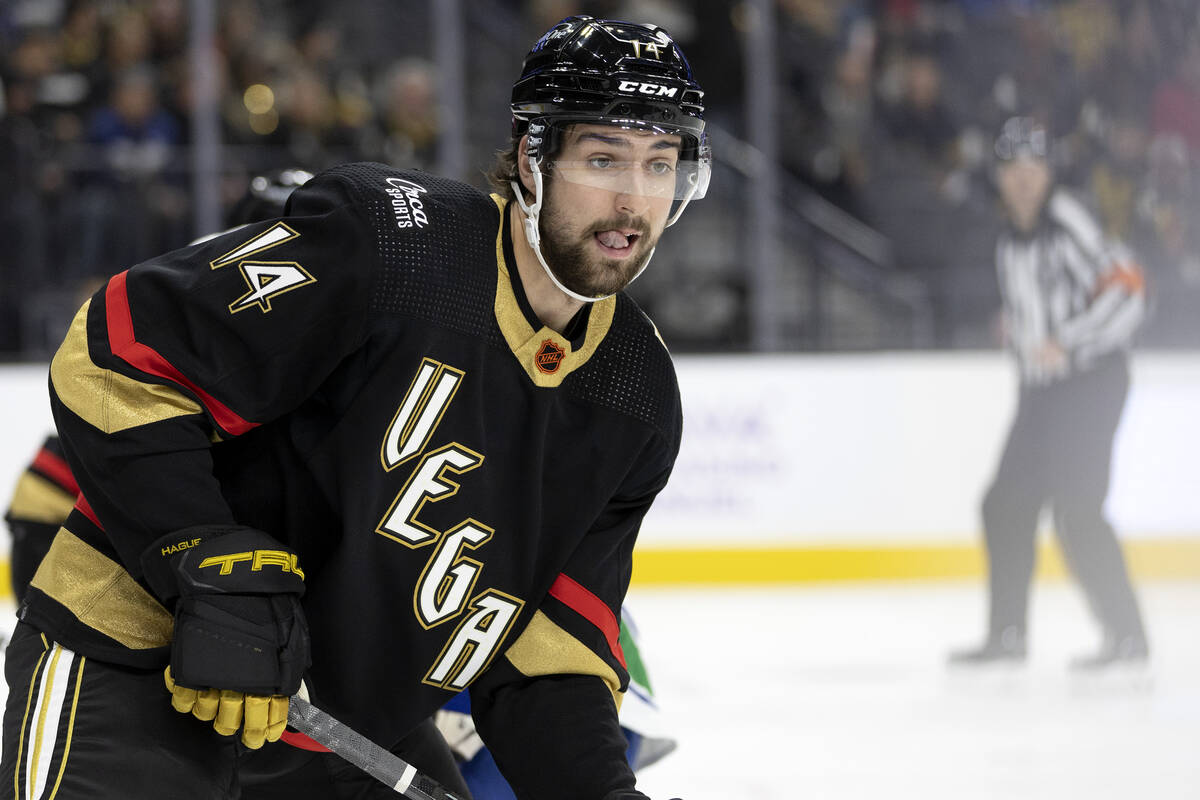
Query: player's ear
526 175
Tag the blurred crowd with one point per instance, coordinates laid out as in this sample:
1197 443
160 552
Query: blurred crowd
887 111
894 105
94 128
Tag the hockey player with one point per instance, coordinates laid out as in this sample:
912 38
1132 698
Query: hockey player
1072 302
396 444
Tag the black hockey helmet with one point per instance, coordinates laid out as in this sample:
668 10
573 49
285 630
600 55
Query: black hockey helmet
587 70
604 72
266 195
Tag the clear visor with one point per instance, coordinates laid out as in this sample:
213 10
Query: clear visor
660 177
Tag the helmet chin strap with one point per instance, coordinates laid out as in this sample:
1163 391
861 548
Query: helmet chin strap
533 234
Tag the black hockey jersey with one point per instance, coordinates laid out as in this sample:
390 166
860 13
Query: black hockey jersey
365 380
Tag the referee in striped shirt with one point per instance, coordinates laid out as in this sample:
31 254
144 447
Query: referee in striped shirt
1072 302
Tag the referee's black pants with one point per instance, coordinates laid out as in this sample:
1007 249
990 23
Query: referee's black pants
1058 454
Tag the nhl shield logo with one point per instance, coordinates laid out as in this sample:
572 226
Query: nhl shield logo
548 357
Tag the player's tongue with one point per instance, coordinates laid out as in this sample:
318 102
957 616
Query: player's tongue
613 239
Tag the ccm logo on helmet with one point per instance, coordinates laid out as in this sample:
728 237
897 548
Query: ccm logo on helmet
653 89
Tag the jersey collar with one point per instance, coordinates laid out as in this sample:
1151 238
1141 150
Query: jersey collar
546 355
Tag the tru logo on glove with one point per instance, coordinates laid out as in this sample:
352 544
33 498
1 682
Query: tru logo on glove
288 562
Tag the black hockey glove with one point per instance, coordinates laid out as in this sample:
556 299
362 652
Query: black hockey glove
240 646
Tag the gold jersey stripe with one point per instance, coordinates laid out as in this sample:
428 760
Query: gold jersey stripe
102 594
524 341
39 500
108 400
544 648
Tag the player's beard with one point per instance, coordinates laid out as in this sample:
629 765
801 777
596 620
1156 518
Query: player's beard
572 254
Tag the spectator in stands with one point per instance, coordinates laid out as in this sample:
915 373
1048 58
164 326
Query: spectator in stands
21 218
843 165
82 47
1176 107
167 24
135 140
308 120
133 130
408 114
127 45
908 197
920 120
1170 205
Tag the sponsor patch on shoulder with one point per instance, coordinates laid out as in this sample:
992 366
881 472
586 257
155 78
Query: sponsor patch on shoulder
407 206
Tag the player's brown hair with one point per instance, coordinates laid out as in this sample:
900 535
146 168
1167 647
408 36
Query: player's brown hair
504 170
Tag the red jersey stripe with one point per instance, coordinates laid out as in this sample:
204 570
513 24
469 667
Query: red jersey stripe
82 505
592 608
126 347
55 467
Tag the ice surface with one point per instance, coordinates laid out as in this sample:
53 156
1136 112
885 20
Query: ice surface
843 692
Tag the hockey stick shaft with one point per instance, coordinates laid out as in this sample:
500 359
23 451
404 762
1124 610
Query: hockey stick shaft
363 753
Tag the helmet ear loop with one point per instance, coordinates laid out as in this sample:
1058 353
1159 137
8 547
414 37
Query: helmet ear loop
532 211
533 139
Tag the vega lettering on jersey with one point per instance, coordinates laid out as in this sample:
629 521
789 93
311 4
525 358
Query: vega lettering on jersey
430 393
447 585
475 641
427 483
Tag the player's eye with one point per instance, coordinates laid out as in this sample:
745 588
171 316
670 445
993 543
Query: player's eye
661 168
600 162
